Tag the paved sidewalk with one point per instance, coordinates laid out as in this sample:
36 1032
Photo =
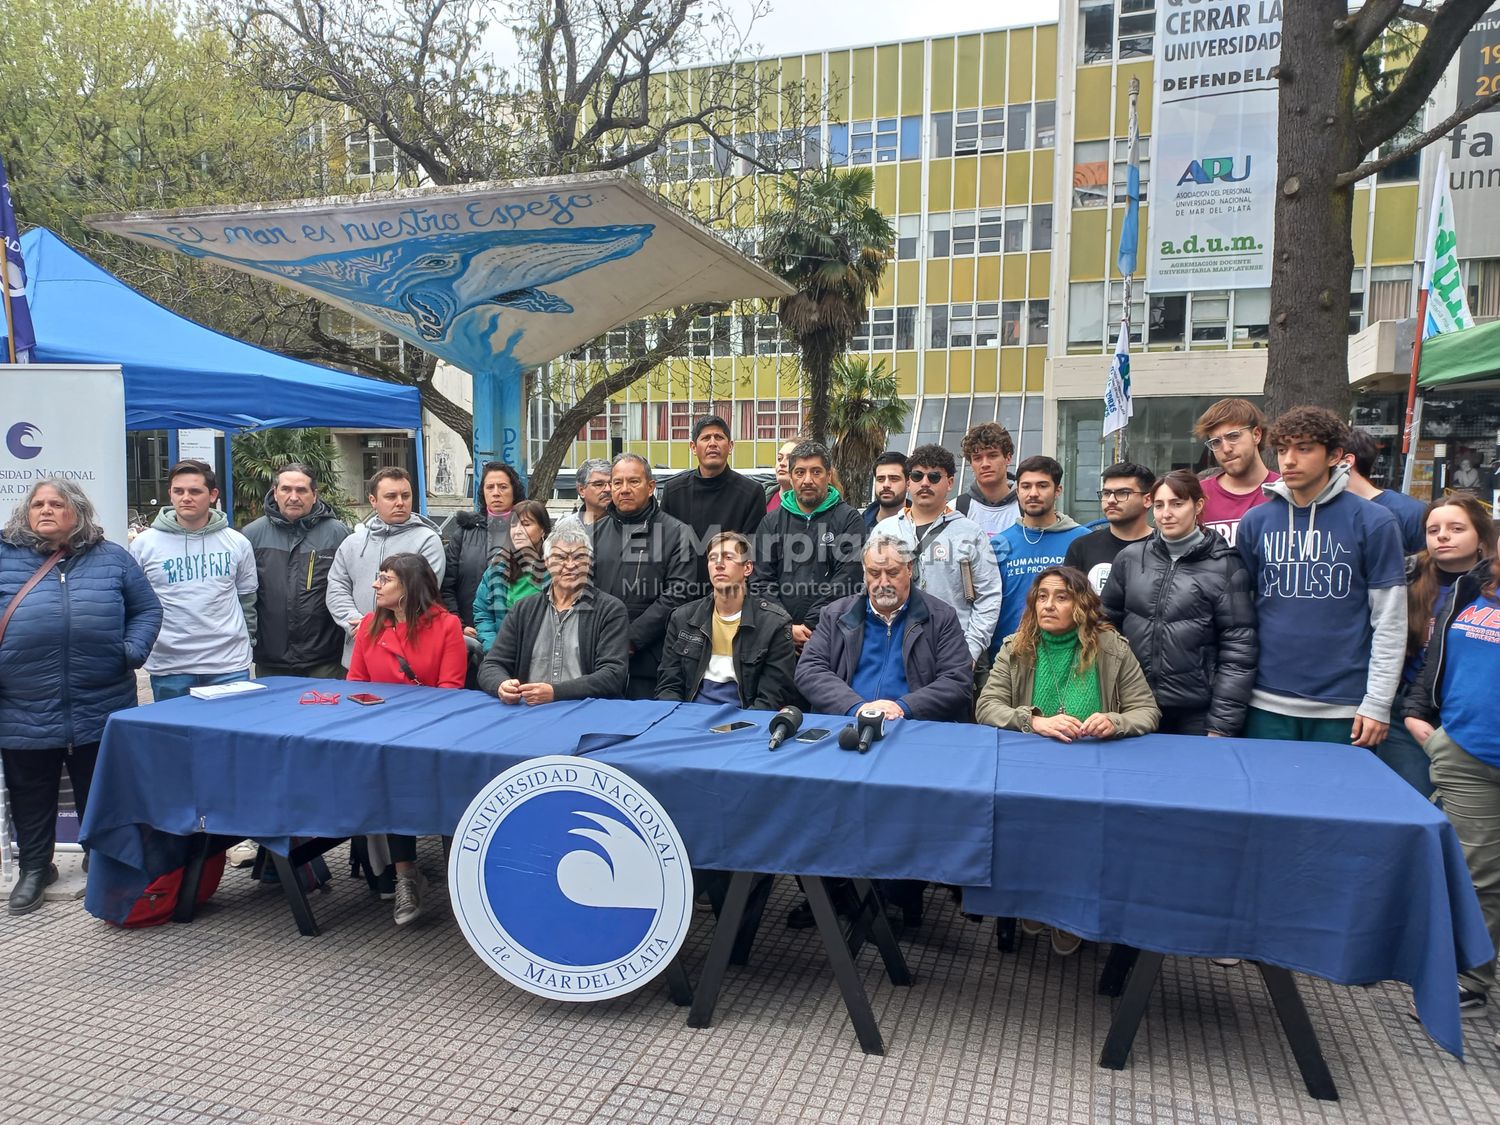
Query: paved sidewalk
237 1018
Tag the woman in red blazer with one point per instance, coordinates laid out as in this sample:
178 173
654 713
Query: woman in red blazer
409 639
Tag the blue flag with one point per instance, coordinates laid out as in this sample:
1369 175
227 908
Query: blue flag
1130 228
17 312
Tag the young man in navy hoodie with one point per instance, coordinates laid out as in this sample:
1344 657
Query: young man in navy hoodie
1330 586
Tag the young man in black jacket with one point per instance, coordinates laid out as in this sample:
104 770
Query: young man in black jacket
807 553
730 647
644 557
713 497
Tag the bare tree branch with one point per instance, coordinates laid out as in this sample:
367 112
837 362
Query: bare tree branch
1418 143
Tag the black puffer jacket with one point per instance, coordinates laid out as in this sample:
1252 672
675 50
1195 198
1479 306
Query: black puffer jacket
1191 624
292 560
468 553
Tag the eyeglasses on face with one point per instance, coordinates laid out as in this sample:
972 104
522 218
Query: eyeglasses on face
1229 437
1119 493
932 476
383 579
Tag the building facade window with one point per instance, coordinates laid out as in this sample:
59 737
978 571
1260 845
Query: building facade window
1091 173
1389 294
1137 29
1122 162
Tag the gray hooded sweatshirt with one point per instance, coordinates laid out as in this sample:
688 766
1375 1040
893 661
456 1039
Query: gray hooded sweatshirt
351 593
949 544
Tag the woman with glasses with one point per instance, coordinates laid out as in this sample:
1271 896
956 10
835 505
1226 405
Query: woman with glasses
1182 598
409 638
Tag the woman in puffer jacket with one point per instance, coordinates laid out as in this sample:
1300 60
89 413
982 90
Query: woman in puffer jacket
1183 599
67 661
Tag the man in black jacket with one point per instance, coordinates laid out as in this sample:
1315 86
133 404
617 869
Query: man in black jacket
713 497
295 541
643 557
807 553
729 647
567 642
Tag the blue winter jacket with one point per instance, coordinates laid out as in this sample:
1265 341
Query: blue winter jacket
70 651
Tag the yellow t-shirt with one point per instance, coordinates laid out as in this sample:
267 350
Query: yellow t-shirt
721 655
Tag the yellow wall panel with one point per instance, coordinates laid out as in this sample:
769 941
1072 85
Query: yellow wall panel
791 75
1047 64
1012 370
766 378
885 189
1017 178
963 280
991 181
770 101
1395 225
987 278
993 90
942 75
838 85
1036 370
658 452
1040 266
789 373
905 368
887 81
1086 250
1141 70
935 373
960 371
968 71
909 191
986 370
862 97
1361 225
1020 65
1091 109
908 280
911 78
1042 162
940 185
1013 277
885 296
965 182
938 272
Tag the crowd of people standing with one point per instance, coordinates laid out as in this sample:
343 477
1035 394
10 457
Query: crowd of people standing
1300 604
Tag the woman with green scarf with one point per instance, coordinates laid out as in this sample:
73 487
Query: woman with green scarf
515 573
1067 674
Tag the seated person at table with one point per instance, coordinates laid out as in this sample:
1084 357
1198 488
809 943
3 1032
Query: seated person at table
570 641
1066 673
893 648
408 639
729 647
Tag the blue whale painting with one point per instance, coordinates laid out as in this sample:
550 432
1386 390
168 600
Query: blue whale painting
423 288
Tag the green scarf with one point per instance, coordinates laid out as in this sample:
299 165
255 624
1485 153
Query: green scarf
1058 686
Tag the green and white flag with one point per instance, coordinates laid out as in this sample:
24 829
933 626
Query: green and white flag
1447 303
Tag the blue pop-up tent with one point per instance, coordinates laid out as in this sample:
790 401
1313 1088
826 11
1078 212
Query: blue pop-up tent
181 375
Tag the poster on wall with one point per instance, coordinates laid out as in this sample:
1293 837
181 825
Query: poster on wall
1473 163
1213 150
66 421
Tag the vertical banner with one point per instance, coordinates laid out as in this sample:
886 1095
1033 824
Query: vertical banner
1213 163
1474 175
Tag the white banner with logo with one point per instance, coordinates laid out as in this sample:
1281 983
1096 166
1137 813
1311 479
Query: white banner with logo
1213 145
1473 148
66 421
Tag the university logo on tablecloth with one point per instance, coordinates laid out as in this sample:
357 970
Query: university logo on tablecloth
570 880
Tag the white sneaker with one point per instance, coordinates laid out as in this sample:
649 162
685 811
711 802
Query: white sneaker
411 888
1227 962
242 854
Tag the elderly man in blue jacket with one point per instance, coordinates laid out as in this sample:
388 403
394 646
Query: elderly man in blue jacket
891 647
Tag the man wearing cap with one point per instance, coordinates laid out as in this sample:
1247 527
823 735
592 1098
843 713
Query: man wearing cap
712 498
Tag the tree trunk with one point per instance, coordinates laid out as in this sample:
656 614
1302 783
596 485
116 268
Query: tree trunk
817 372
1308 361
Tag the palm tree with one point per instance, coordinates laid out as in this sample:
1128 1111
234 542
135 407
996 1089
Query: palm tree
830 242
259 453
865 410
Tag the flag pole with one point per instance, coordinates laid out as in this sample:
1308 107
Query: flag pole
1408 438
10 324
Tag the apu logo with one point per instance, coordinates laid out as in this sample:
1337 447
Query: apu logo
569 880
15 441
1212 169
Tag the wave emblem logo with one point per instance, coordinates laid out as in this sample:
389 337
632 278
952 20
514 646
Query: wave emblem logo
16 441
570 880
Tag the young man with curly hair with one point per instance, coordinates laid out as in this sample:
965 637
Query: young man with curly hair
990 501
1329 581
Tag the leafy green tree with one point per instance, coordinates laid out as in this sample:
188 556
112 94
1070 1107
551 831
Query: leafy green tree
258 454
829 241
865 410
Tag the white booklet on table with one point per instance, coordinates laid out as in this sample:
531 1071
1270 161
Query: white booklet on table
221 691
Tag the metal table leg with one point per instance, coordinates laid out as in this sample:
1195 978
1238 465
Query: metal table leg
881 934
1127 1019
1006 935
750 927
678 987
192 875
720 949
1117 967
296 897
844 970
1300 1035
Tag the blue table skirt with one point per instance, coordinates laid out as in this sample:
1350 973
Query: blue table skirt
1310 856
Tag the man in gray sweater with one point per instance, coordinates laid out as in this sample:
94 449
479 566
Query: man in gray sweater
393 527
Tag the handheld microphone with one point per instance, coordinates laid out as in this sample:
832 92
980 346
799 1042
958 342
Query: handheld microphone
784 724
871 728
849 738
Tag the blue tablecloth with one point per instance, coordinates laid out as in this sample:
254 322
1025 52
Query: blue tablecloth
1317 858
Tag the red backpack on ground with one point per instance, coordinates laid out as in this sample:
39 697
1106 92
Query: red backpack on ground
159 900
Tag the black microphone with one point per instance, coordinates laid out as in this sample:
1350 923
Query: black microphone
784 724
871 727
849 738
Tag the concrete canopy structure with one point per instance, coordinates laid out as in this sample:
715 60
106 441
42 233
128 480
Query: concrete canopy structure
494 278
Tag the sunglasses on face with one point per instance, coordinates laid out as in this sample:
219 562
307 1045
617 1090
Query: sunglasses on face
916 476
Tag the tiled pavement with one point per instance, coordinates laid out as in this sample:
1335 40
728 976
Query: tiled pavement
237 1018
